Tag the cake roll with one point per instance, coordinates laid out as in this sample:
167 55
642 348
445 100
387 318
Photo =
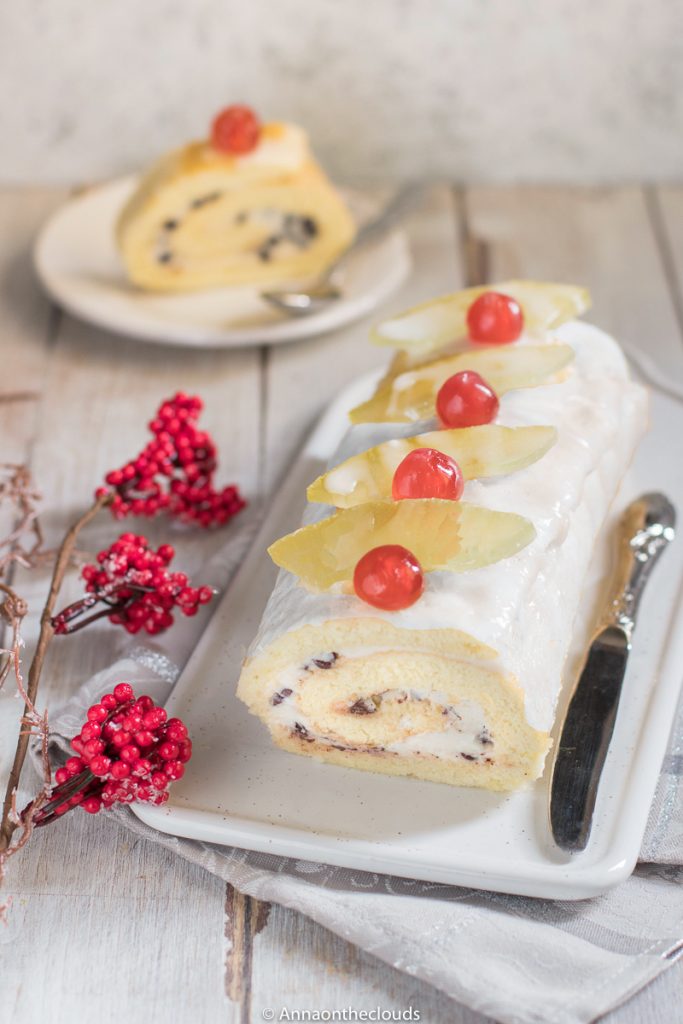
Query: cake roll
462 686
203 217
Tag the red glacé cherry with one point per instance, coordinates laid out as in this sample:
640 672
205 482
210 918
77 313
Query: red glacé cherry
466 400
236 130
494 319
389 577
428 473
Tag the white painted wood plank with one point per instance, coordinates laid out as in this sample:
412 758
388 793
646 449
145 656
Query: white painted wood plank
666 204
657 1003
117 956
155 916
298 965
25 325
25 319
602 238
25 310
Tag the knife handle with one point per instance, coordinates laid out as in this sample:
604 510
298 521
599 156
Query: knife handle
646 529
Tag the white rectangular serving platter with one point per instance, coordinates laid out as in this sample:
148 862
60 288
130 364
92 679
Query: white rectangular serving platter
242 791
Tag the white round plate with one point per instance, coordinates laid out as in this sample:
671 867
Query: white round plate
78 264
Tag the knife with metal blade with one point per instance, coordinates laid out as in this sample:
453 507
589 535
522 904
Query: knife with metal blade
645 530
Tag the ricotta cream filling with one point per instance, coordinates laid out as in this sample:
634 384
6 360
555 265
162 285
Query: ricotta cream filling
465 734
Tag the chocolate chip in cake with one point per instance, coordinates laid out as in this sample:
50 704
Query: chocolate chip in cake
170 225
299 230
165 257
363 706
278 698
200 201
303 732
326 660
485 737
309 226
469 757
265 251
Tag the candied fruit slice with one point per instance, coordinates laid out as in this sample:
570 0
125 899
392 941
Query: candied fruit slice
434 325
441 534
411 396
479 451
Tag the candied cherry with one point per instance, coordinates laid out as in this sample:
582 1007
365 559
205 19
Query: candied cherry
236 130
389 577
466 400
494 319
428 473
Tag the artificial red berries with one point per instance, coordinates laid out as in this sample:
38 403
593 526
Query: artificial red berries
235 130
466 400
494 319
174 473
389 577
116 770
133 583
428 473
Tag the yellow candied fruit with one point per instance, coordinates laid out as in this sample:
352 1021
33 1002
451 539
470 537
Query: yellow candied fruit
453 536
434 325
411 396
480 452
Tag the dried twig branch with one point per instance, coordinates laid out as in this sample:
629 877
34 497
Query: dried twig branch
16 487
30 722
13 609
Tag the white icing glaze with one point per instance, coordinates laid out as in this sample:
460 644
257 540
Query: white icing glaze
288 151
524 606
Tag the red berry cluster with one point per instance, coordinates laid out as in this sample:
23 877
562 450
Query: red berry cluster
174 472
127 750
132 581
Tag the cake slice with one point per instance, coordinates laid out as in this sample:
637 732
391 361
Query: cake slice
207 215
461 686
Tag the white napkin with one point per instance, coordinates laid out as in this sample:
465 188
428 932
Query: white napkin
516 959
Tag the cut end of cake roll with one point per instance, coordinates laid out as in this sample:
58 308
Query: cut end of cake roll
431 704
202 218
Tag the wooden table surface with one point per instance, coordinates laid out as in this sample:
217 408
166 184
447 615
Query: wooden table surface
104 928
